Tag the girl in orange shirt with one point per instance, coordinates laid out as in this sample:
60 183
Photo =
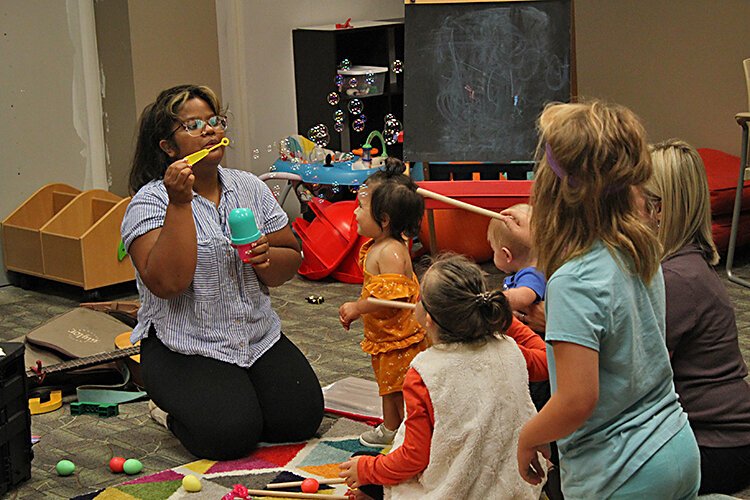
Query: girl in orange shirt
466 398
389 211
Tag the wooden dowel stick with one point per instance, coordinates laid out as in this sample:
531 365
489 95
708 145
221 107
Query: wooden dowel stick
287 494
391 303
459 204
296 484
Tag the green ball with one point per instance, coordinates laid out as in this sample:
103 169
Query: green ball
65 467
132 466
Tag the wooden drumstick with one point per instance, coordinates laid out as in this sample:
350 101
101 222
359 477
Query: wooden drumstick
391 303
459 204
287 494
297 484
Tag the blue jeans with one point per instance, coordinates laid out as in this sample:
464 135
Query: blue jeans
672 472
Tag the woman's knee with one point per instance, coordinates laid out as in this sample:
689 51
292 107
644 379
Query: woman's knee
228 436
297 423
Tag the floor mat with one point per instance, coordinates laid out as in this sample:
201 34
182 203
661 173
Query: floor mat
316 458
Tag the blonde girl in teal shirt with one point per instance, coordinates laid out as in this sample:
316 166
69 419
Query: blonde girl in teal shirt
614 412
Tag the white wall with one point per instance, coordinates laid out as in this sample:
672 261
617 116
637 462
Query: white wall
257 67
50 114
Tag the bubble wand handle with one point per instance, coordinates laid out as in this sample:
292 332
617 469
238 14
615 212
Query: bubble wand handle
194 158
459 204
391 303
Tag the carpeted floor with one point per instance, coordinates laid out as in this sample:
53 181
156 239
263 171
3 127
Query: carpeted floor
91 441
281 463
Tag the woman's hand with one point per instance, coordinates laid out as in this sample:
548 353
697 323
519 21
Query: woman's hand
349 472
261 253
529 465
533 316
179 179
348 312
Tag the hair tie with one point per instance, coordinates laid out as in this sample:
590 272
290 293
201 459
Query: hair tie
483 298
556 168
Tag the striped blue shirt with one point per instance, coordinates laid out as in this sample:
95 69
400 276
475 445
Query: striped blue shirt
226 312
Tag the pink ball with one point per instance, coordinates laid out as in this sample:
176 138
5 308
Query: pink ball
310 485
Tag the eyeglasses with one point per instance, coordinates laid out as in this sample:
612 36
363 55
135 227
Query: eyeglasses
196 126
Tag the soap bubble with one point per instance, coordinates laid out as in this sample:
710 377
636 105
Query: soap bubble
391 130
355 106
338 80
338 127
358 125
269 148
319 135
276 191
398 66
363 117
333 98
335 186
338 116
389 116
345 64
256 154
352 82
369 78
272 168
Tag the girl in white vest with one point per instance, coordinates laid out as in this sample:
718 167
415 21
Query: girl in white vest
466 399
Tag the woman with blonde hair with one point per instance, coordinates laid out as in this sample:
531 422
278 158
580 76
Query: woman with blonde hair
620 430
702 341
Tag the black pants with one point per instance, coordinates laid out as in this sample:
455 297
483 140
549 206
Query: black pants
220 411
374 491
724 470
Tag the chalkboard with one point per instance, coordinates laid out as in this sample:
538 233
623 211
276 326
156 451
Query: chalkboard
477 75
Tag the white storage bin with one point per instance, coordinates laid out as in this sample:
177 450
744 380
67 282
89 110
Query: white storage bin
368 80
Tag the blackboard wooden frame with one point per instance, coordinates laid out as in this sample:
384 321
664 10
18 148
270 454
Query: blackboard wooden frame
462 101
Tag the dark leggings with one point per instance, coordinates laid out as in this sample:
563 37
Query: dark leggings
374 491
220 411
724 470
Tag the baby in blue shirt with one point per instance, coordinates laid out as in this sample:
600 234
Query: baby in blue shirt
513 255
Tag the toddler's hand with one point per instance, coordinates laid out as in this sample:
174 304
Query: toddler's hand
348 312
349 472
178 180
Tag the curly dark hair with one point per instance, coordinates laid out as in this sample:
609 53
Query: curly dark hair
455 294
394 198
156 123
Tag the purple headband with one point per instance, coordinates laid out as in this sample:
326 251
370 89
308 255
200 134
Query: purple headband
562 174
556 168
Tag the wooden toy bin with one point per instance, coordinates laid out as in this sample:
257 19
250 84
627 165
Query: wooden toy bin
22 244
79 244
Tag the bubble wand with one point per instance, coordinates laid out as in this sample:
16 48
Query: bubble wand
194 158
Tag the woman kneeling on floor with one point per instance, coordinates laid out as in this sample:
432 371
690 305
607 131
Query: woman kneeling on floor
220 373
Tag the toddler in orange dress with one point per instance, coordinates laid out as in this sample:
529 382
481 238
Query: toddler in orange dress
389 211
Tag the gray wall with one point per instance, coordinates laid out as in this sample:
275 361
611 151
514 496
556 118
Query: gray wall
48 96
677 63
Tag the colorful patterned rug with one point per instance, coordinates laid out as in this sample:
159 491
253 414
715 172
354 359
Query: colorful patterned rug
316 458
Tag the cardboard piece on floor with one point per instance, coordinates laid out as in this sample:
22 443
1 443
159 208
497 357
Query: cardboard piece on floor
354 398
78 333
